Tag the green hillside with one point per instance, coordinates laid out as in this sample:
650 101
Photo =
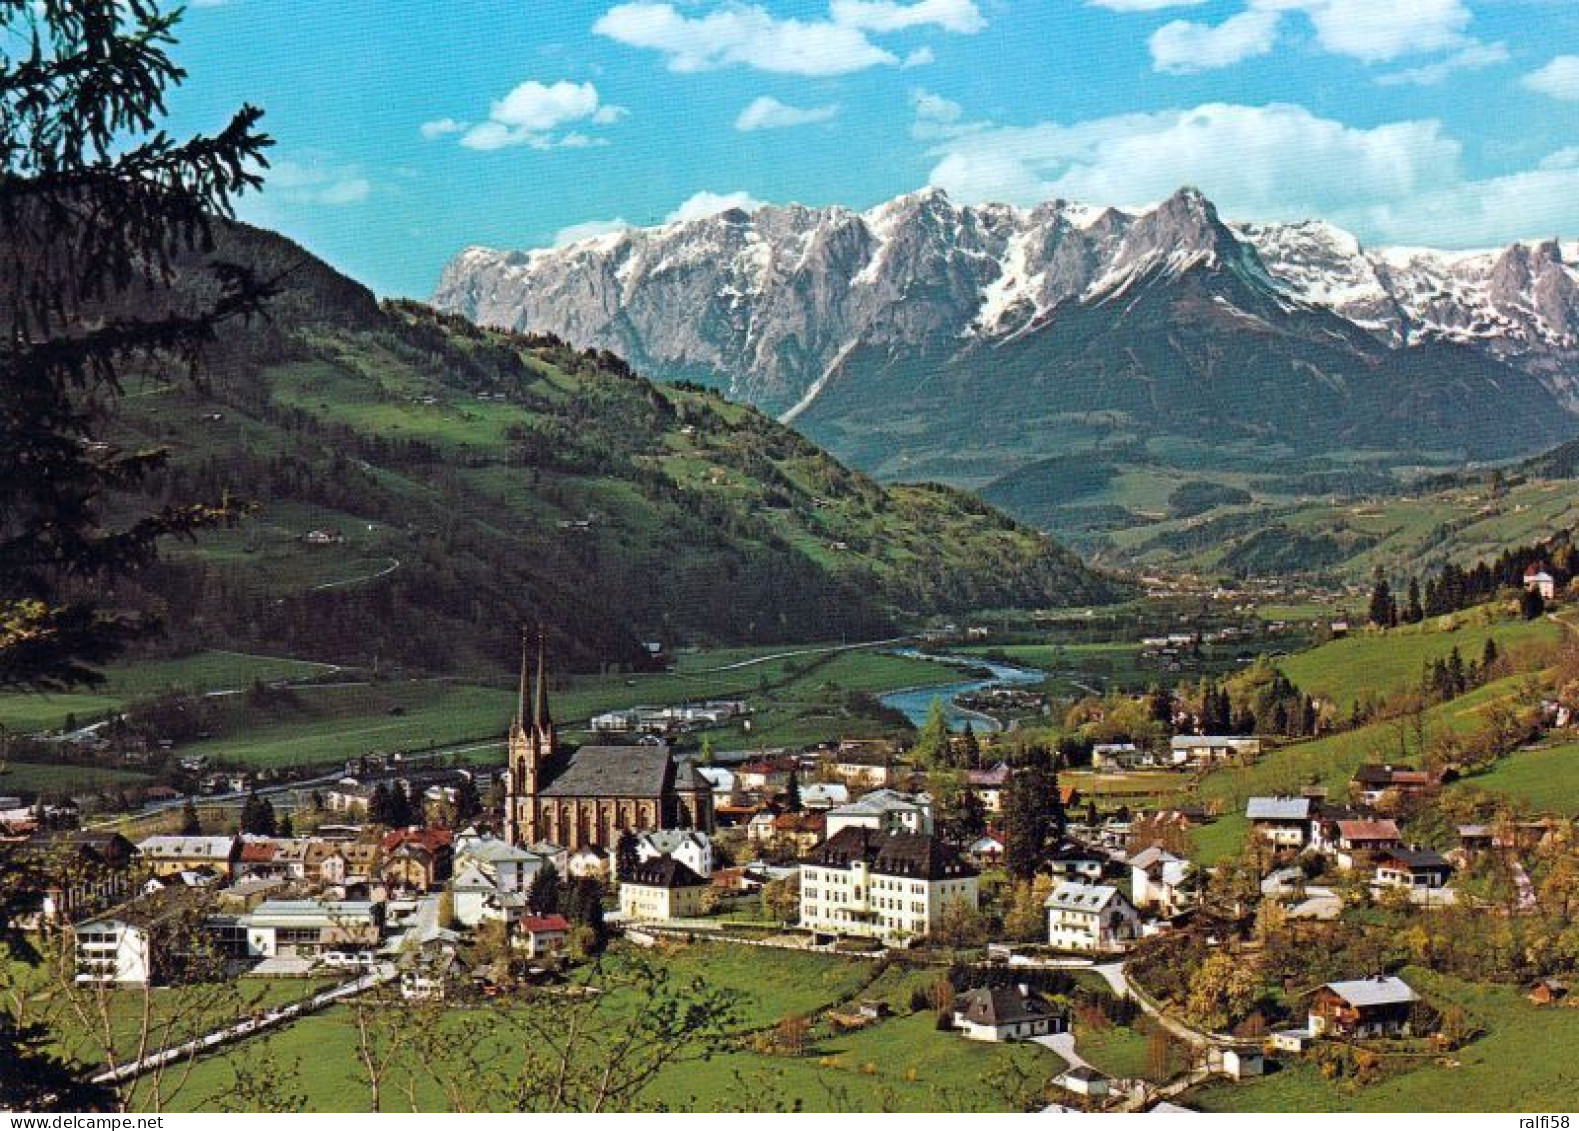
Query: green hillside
472 480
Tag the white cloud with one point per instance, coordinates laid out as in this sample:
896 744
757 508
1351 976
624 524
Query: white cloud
704 204
961 16
1557 79
1372 31
920 57
934 107
532 114
1473 57
1400 182
767 113
1184 47
1142 5
589 229
315 180
739 34
442 128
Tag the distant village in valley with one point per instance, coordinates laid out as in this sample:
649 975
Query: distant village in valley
1237 875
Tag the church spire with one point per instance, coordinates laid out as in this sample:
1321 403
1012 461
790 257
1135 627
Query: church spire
520 703
540 716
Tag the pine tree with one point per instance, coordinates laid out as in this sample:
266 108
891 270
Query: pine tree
468 804
287 827
1382 612
1531 604
191 824
1414 613
626 858
1030 805
543 897
96 202
792 801
933 743
257 816
970 747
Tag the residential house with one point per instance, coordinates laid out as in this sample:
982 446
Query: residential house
1201 750
888 884
987 849
1090 917
416 858
1283 822
692 848
491 879
824 795
862 766
1359 838
1378 1006
542 935
988 785
1006 1013
799 832
1412 868
1072 860
1114 757
885 810
1160 881
768 774
71 874
661 889
163 855
138 942
1373 779
1537 579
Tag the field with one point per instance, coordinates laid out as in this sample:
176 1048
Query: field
900 1063
1546 780
1379 663
1517 1065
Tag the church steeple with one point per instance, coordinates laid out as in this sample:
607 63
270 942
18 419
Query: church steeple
542 721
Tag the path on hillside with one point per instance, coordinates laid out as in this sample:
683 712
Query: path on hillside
251 1026
394 564
737 665
1113 974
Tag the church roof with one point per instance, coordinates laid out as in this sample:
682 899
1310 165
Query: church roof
618 771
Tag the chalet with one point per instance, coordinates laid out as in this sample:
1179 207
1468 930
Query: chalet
770 774
1090 917
1538 580
1199 750
1378 1006
1283 822
1412 868
1361 837
1006 1013
1373 779
888 884
1074 861
541 935
987 849
800 831
1160 881
661 889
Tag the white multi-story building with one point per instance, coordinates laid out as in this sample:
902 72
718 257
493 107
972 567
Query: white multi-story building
892 885
1090 917
884 810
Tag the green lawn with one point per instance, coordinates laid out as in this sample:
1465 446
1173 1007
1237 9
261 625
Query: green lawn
1379 663
36 777
900 1063
1546 780
1520 1065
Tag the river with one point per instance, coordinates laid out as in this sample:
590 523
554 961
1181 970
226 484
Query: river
916 702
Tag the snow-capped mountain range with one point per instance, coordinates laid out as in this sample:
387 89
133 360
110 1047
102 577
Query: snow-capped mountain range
768 302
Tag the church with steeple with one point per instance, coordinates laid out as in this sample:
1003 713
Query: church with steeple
587 797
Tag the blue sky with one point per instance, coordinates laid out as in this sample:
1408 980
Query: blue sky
408 129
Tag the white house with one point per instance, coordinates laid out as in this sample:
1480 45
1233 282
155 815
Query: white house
1158 881
886 810
114 949
888 885
659 889
1090 917
824 795
1283 822
306 928
1536 578
1210 749
1006 1013
691 848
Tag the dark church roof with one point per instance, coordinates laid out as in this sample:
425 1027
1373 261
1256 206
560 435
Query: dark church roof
622 771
